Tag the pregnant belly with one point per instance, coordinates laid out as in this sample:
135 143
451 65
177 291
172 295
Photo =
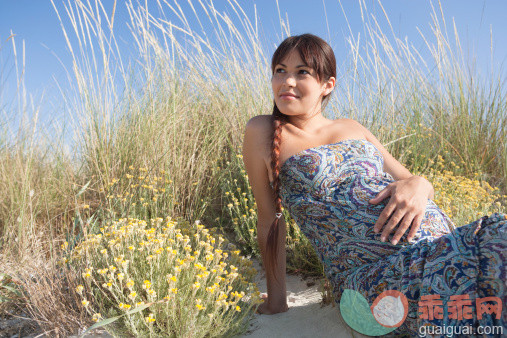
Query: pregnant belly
355 194
340 223
350 242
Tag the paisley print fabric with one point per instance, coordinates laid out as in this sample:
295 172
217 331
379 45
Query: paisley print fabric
326 191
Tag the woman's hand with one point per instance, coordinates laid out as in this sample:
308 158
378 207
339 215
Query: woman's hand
407 204
267 309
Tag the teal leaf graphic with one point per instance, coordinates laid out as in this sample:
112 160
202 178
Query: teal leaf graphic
357 314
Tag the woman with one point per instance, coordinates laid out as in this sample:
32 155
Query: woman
372 223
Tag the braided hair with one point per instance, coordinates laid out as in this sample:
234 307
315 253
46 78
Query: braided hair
318 55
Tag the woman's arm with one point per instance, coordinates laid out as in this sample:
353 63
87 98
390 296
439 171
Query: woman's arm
397 170
254 147
277 290
391 165
408 196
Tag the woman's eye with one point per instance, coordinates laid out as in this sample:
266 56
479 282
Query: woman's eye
301 71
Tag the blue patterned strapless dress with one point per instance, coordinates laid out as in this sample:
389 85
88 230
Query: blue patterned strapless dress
326 190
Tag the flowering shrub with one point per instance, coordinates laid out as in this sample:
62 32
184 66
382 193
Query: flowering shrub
165 278
140 193
463 199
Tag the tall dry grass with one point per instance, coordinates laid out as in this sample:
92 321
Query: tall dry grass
179 100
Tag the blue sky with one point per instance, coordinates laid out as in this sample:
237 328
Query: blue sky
35 22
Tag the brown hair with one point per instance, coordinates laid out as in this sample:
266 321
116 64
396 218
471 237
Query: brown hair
319 56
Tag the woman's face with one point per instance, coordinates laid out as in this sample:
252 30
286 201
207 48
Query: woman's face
296 89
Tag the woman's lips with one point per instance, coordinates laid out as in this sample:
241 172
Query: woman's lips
288 97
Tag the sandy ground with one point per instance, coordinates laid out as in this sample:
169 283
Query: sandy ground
305 317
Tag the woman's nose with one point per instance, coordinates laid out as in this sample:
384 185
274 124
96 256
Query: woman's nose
290 80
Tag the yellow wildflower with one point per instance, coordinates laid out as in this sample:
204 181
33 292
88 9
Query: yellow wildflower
199 266
123 306
150 318
147 284
96 317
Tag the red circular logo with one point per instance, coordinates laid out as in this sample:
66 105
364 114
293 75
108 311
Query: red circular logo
390 308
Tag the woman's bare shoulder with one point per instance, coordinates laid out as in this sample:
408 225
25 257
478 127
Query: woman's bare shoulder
259 128
351 125
346 121
260 121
